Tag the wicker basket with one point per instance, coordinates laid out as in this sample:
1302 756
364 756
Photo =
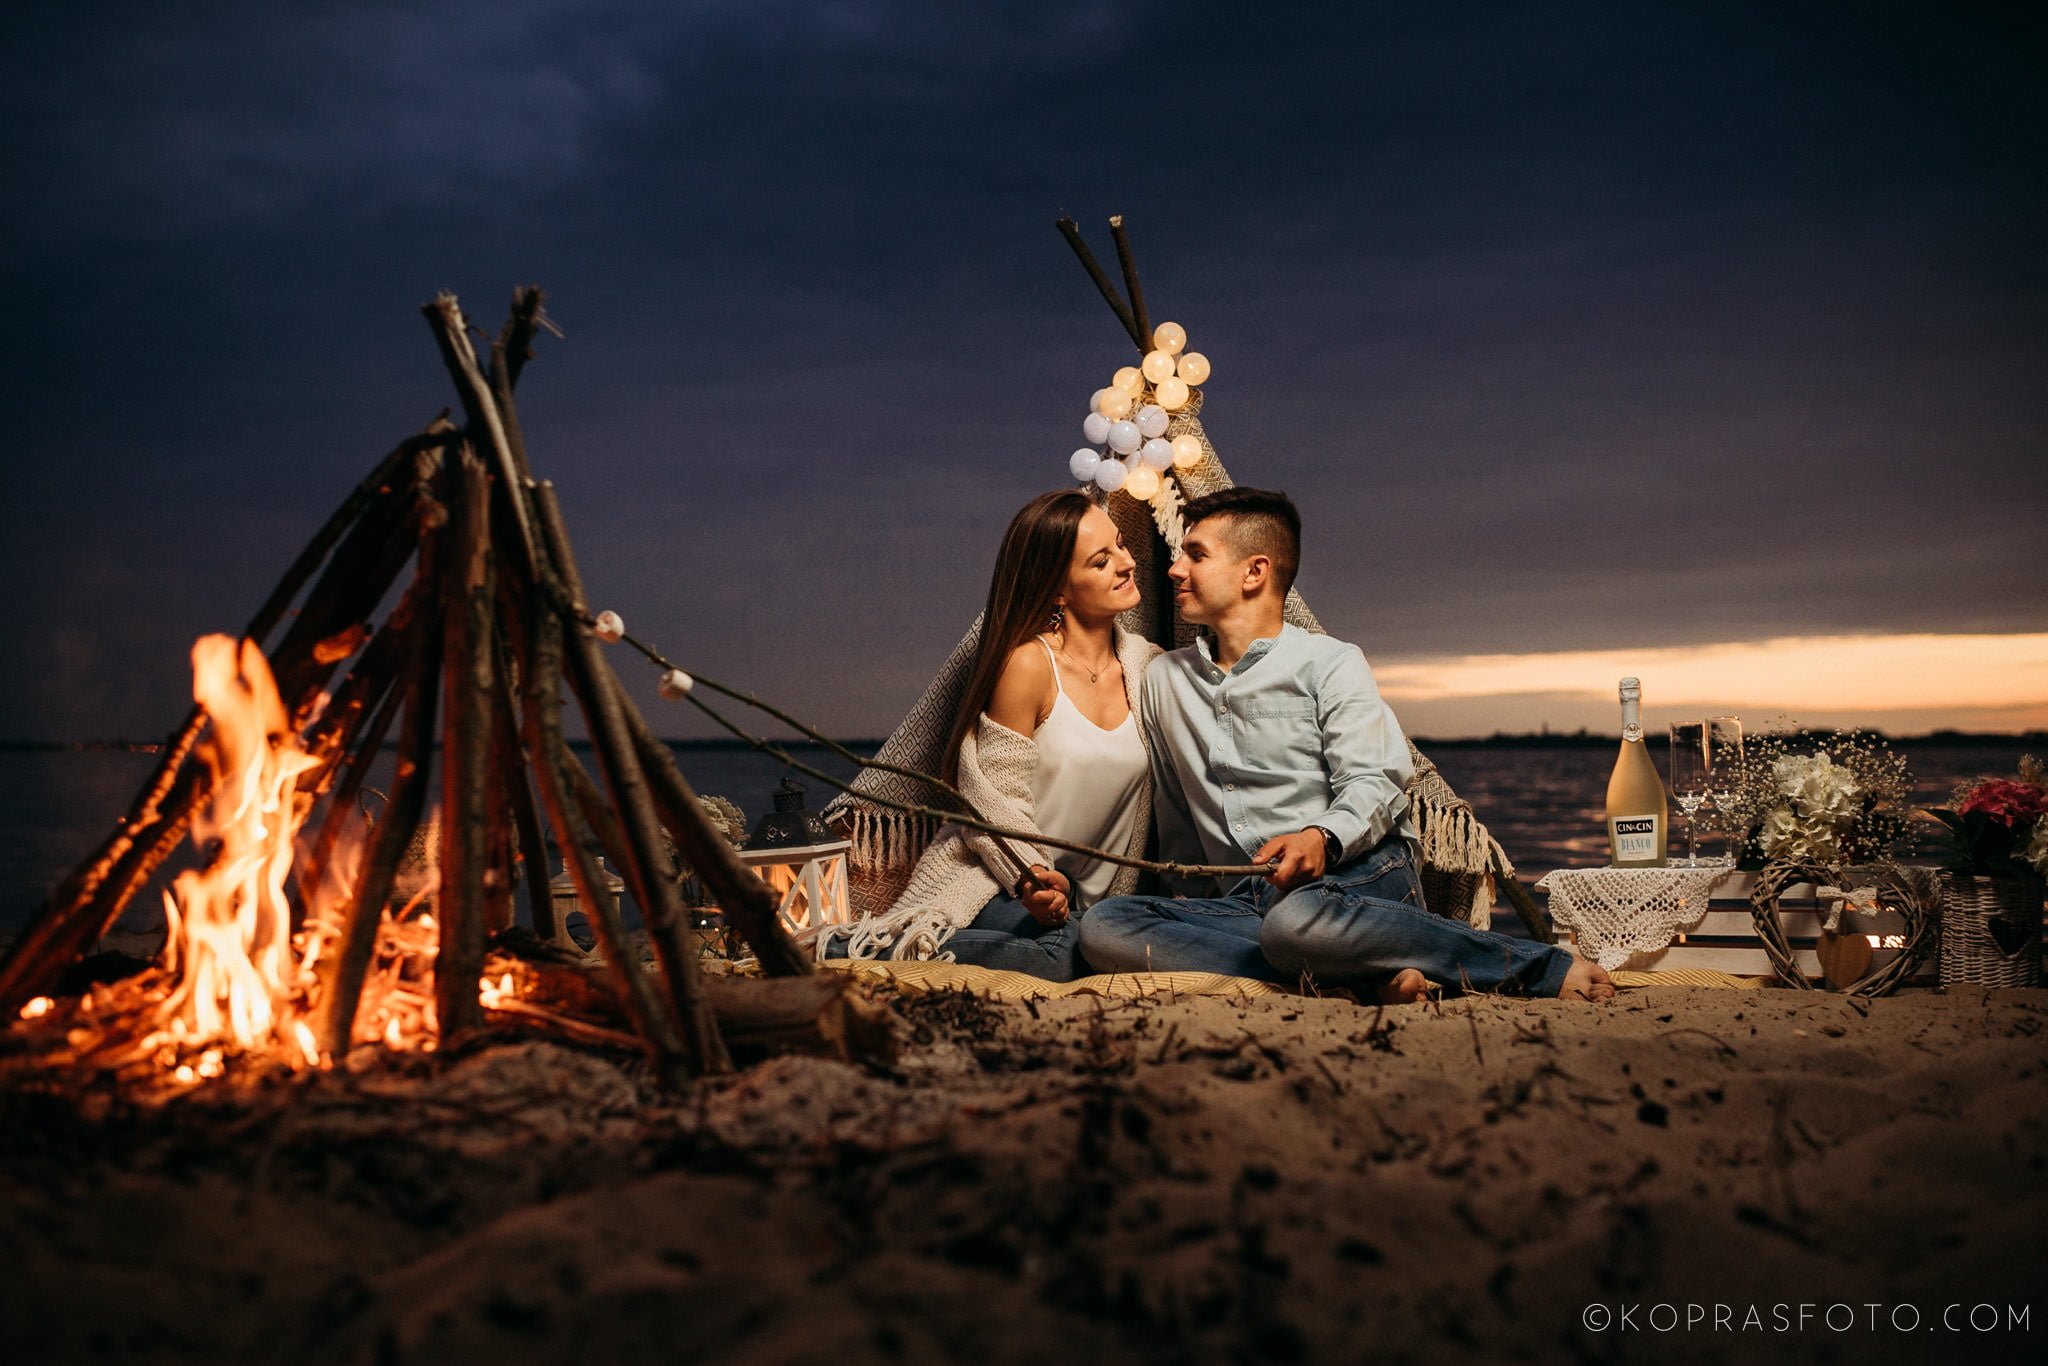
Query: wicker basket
1990 931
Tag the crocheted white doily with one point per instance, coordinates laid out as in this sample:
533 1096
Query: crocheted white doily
1621 912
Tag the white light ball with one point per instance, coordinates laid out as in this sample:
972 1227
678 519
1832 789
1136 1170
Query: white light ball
1171 338
1142 483
1173 395
1113 404
1187 452
1151 420
675 685
1109 475
1095 428
608 627
1158 453
1157 366
1123 437
1081 464
1130 379
1193 367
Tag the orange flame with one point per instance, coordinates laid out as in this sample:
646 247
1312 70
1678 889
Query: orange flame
229 947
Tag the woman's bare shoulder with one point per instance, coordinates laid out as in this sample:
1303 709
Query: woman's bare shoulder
1024 692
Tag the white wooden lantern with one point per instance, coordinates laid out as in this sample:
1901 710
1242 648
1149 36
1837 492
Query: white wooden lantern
803 862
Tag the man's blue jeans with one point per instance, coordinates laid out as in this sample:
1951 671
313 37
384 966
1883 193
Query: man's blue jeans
1362 922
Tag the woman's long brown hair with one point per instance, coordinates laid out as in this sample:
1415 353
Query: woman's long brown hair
1031 568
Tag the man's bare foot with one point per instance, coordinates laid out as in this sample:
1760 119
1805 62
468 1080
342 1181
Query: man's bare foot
1407 987
1587 981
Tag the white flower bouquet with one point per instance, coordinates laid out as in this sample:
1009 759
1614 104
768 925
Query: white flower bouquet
1832 800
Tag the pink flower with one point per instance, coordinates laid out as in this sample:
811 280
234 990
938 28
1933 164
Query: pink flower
2006 801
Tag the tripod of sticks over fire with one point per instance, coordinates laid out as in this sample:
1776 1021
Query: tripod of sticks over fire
268 768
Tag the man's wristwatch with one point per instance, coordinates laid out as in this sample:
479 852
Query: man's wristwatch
1333 848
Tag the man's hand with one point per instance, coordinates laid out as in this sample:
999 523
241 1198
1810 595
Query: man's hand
1045 895
1300 858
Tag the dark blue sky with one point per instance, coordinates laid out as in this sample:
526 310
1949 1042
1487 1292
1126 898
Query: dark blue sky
1514 300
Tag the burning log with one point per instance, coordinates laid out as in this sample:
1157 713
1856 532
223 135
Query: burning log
478 650
94 895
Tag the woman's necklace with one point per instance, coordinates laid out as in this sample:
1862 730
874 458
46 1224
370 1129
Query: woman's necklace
1095 674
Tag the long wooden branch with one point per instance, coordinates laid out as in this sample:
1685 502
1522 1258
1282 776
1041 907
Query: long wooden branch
486 427
1131 286
626 782
749 906
542 672
1072 232
348 961
467 685
515 342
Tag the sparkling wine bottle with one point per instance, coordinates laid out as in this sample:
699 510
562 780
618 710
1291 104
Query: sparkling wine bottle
1637 817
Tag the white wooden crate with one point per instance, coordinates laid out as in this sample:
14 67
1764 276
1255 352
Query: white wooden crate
1725 940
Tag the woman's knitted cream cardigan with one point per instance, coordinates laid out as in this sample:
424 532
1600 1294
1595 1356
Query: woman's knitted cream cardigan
962 869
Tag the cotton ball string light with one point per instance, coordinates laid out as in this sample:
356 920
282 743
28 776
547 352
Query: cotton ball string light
1129 419
609 627
675 685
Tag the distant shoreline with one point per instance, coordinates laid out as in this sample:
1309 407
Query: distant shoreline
1580 739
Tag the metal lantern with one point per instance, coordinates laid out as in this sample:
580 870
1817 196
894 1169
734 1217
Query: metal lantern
562 891
801 860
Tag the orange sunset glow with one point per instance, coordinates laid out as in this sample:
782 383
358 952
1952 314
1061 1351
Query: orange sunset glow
1902 683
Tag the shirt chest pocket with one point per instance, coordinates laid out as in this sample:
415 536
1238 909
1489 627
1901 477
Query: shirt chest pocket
1281 732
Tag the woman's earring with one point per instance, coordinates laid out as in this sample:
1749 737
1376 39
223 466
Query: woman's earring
1059 618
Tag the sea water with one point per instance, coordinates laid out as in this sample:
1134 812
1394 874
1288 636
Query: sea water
1543 803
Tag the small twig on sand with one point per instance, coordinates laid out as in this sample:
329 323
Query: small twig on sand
1328 1076
1715 1039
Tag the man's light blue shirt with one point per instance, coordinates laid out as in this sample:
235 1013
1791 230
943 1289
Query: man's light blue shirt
1293 735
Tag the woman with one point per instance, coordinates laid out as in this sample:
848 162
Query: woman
1046 740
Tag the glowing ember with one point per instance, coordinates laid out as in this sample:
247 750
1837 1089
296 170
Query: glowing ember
40 1006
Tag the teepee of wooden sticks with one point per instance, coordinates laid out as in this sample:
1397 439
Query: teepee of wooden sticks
477 651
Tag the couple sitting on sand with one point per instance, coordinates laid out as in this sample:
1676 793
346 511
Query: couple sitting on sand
1261 744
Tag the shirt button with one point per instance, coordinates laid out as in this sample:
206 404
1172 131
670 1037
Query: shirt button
1222 710
1230 787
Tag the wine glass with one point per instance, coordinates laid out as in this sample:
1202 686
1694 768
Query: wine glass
1689 778
1724 762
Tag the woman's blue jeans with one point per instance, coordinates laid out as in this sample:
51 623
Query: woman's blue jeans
1362 922
1004 936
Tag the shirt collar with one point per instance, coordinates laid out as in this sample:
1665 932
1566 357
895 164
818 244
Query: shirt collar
1253 652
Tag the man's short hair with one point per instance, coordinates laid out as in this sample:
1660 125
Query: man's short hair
1261 522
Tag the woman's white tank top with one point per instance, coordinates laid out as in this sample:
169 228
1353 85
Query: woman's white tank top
1086 786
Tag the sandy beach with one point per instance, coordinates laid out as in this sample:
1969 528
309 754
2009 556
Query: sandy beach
1160 1179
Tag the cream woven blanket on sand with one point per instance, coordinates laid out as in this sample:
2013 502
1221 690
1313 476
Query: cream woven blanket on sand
916 978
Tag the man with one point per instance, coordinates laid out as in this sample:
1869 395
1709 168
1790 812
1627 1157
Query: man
1271 745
